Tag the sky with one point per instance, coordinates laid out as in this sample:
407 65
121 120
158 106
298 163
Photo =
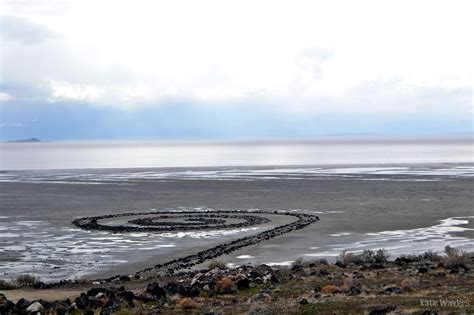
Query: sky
100 69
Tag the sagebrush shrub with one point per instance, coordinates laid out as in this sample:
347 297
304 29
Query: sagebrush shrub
455 258
226 285
26 280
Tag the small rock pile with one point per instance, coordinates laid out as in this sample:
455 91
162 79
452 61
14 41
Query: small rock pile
104 301
36 307
100 300
213 281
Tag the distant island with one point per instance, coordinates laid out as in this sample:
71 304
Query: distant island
30 140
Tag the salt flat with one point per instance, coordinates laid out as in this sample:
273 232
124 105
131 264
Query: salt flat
359 207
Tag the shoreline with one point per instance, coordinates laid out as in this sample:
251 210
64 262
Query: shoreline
364 283
250 167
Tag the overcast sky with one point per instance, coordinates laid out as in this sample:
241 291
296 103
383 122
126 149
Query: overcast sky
234 69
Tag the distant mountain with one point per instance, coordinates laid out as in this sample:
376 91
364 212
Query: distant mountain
25 140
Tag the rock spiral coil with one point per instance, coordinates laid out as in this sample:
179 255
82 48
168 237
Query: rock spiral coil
169 221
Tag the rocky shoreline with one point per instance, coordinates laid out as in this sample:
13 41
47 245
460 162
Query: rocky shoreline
364 283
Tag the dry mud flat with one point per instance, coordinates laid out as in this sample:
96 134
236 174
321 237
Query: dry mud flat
403 213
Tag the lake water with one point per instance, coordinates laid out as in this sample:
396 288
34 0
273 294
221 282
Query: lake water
69 155
406 196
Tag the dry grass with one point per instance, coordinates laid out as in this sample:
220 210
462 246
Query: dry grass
408 284
431 256
330 289
5 285
216 264
26 280
187 304
284 270
284 297
309 262
367 256
455 258
351 282
226 285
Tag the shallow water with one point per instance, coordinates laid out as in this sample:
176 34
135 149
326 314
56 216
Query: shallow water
55 253
400 206
360 208
127 176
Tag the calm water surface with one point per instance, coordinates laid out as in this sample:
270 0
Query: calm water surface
66 155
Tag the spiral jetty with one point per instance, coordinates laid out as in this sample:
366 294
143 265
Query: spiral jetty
171 221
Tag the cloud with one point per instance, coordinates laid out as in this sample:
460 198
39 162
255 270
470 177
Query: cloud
68 91
37 7
310 60
5 97
305 57
19 29
4 125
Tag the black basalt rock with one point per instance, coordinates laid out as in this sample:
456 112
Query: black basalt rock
21 305
196 220
383 309
155 289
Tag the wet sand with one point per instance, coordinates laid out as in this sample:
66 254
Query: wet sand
351 210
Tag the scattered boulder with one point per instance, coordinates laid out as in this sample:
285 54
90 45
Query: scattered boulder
303 301
85 302
128 297
6 306
155 289
392 290
254 273
297 267
35 308
62 307
265 269
403 261
195 280
189 291
242 282
382 309
340 264
422 270
21 305
353 291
